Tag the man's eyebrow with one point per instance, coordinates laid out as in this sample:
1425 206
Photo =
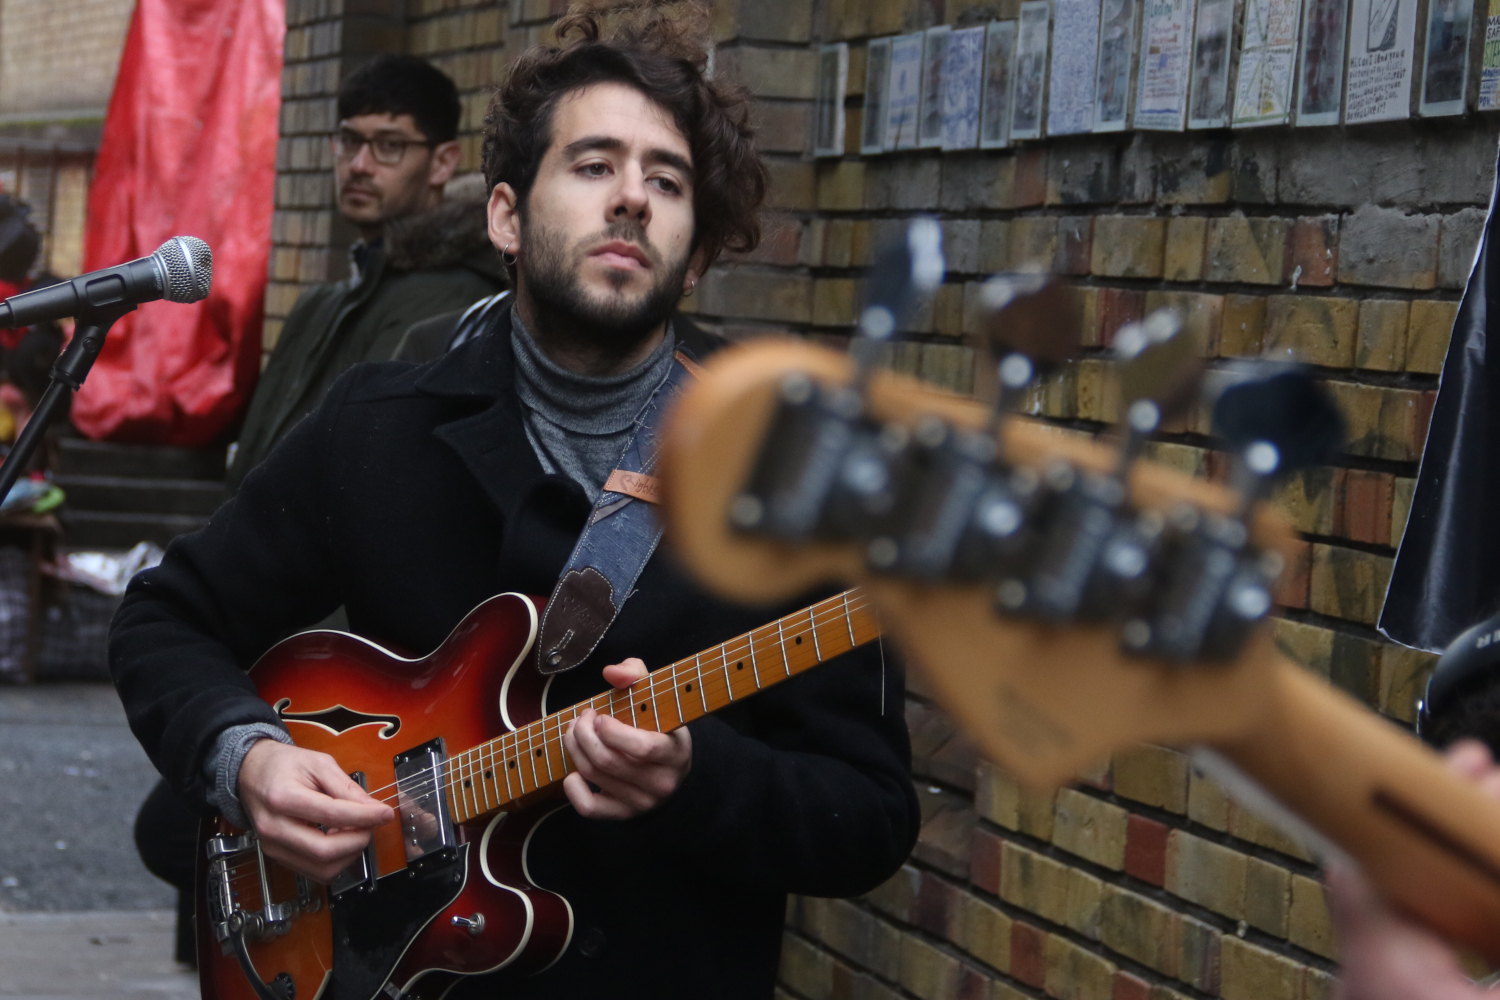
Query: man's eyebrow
605 143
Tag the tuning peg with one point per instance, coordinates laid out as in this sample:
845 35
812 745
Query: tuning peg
905 270
1278 404
825 469
1159 365
1216 584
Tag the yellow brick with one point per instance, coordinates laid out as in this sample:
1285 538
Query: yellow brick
1090 828
1128 246
1309 926
1243 328
1074 973
1382 334
1427 337
1153 775
1206 873
1184 253
1319 331
1252 973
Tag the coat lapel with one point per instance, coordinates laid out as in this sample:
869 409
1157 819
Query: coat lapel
492 443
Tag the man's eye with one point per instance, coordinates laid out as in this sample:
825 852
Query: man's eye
388 147
595 169
667 184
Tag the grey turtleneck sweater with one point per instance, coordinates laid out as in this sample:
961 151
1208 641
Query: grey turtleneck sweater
578 425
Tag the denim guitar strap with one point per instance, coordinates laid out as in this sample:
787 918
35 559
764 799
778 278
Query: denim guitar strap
621 534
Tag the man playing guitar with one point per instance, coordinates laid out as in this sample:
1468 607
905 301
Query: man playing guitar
618 173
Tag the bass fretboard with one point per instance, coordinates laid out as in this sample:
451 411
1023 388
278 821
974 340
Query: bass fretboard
520 764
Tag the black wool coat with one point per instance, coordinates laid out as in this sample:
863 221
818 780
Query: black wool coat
411 495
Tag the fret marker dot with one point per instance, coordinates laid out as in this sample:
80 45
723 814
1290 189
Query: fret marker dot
512 765
740 665
688 688
645 708
489 774
538 753
468 784
799 640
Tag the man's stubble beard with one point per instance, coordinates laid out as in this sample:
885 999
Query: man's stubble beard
566 314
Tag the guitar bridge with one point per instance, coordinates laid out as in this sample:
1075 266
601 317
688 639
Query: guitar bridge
422 800
235 863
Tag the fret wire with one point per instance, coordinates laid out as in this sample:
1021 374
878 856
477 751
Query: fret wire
470 765
754 666
781 641
675 689
698 672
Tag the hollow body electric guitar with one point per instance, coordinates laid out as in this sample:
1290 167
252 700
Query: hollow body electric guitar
443 892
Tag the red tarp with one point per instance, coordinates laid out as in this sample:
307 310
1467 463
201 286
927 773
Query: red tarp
189 148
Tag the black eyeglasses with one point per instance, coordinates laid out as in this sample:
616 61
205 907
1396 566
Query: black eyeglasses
387 150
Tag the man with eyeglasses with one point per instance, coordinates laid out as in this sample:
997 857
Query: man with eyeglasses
417 256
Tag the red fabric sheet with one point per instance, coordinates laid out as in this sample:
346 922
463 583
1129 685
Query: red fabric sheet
189 148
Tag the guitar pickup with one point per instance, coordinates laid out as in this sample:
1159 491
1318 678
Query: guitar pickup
422 802
360 874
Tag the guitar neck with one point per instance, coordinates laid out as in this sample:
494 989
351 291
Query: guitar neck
531 760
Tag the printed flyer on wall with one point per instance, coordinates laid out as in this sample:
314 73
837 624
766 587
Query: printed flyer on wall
1075 51
1320 86
1381 45
1166 37
1263 89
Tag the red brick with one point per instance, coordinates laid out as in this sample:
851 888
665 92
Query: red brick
984 861
1031 178
1296 578
1365 512
1128 987
1118 306
937 902
1028 954
1074 245
1146 850
1312 244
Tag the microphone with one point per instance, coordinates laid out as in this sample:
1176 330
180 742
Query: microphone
180 270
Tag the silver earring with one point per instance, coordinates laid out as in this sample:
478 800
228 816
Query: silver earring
691 288
506 257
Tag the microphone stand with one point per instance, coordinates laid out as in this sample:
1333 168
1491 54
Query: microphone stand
68 373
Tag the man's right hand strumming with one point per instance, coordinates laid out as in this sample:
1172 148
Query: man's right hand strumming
309 815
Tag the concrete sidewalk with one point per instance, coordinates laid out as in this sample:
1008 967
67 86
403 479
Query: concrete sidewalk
84 956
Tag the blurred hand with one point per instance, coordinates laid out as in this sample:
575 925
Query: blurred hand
290 793
1384 956
623 771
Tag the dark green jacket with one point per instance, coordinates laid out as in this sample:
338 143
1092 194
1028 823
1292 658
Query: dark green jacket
427 264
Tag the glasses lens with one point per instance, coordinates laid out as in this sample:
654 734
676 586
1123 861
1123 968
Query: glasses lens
346 144
387 150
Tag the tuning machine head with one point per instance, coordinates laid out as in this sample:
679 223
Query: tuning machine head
1261 405
1159 363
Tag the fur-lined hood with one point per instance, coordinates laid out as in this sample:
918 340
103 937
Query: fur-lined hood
454 233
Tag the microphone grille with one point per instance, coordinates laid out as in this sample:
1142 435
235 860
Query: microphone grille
187 263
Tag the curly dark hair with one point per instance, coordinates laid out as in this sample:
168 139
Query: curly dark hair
659 57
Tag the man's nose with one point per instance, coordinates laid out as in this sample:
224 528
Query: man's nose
632 198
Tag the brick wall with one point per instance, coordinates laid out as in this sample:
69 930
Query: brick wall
1348 247
60 55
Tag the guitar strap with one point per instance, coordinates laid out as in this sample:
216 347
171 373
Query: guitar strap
619 538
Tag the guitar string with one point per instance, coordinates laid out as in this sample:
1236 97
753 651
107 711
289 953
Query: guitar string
818 616
545 727
471 762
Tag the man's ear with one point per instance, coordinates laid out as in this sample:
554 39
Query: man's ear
444 163
505 222
697 264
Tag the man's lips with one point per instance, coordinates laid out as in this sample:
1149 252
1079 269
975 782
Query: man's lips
621 254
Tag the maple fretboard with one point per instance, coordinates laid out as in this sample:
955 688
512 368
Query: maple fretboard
520 764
